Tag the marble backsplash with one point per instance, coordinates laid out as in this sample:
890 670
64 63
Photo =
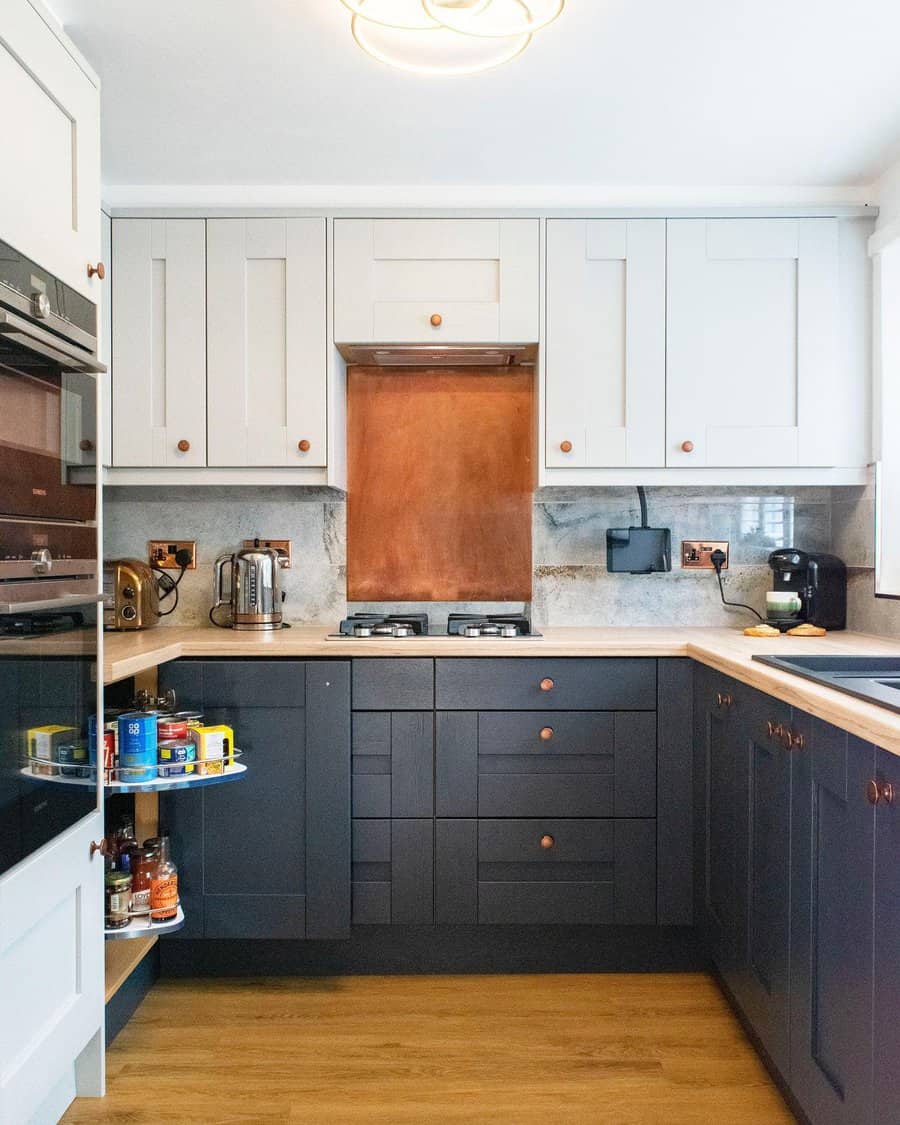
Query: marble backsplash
571 583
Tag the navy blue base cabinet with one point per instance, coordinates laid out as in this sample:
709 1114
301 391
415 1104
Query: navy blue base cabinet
268 856
798 893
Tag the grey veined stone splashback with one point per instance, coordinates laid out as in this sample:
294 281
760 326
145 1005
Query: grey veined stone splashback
571 584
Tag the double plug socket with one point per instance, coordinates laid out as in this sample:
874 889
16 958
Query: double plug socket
696 553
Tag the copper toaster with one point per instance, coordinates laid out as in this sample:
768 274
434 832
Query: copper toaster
130 595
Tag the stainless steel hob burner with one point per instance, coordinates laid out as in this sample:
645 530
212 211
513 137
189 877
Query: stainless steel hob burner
498 626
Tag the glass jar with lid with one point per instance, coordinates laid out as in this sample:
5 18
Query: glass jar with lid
164 886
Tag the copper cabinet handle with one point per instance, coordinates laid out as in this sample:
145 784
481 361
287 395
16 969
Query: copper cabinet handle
877 791
547 842
774 730
565 446
546 734
102 848
687 447
547 684
797 741
724 698
97 271
184 445
436 320
85 445
303 446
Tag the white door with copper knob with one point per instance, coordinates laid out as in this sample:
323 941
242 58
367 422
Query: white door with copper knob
52 977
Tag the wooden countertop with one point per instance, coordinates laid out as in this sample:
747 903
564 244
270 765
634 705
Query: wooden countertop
727 650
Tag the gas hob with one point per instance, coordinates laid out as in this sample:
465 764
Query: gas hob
466 626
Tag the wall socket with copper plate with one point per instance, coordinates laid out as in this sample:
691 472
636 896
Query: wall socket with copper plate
282 546
695 553
162 553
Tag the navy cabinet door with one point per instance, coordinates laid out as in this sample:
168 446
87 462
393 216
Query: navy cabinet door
831 926
761 978
887 939
267 856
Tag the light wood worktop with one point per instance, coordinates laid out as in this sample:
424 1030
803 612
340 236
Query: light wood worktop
727 650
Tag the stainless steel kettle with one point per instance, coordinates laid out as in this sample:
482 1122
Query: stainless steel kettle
256 594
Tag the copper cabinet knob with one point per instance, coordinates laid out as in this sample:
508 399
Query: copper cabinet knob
877 791
547 842
565 446
184 445
873 792
773 730
687 447
724 698
546 734
303 446
102 848
887 792
97 271
547 684
85 445
436 320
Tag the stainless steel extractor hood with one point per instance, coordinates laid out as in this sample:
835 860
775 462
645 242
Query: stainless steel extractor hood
440 355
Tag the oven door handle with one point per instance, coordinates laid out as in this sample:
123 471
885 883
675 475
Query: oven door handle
62 601
44 343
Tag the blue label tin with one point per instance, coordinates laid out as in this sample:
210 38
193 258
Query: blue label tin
137 746
176 757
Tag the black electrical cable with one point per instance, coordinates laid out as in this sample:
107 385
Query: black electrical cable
717 558
642 498
183 558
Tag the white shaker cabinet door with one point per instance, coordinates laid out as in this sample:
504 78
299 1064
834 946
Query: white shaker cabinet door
267 342
159 342
606 342
436 281
751 342
50 187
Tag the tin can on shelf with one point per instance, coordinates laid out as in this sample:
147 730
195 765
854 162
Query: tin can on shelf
177 757
192 718
118 899
171 728
137 746
73 759
109 741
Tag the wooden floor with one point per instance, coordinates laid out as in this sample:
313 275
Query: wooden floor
613 1049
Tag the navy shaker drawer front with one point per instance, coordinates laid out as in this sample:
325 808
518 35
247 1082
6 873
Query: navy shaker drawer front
388 684
554 684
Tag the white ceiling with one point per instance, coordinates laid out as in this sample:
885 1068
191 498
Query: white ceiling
617 92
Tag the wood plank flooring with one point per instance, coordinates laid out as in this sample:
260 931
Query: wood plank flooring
615 1049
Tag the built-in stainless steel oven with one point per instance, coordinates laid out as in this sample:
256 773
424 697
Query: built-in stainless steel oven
49 574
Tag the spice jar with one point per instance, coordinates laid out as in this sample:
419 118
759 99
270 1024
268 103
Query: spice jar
143 865
164 886
118 899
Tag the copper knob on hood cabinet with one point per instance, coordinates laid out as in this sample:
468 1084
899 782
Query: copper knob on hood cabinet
303 446
436 320
547 684
547 842
687 447
184 446
565 446
97 271
85 445
546 734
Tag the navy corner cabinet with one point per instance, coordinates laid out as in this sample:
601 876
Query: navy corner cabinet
272 860
798 894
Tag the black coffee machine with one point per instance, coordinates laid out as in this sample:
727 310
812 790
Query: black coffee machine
819 581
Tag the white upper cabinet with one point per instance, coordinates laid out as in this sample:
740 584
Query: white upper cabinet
606 342
267 342
752 335
159 342
436 281
51 139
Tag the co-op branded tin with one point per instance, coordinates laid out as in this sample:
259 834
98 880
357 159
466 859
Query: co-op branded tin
177 757
137 746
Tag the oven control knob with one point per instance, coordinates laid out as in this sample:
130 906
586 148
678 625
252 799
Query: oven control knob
40 304
128 591
42 561
129 613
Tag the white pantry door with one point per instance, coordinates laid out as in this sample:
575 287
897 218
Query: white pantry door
606 342
751 342
52 978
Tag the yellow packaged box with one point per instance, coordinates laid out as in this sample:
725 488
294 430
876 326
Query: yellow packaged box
43 743
215 748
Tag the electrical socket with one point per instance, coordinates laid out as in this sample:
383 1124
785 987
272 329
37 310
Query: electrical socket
282 546
162 553
695 553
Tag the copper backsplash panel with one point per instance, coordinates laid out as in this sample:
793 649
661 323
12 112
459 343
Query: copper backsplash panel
440 481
